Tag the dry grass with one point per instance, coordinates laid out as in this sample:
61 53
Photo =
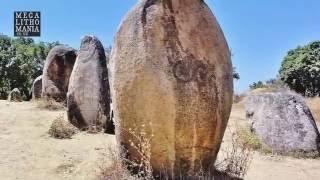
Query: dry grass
314 105
269 89
262 90
237 157
244 136
237 98
233 167
118 169
49 104
250 139
111 167
118 166
61 129
301 154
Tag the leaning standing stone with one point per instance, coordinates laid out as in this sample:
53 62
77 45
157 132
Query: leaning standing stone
57 71
171 83
88 99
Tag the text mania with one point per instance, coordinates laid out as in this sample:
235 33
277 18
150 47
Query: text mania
27 23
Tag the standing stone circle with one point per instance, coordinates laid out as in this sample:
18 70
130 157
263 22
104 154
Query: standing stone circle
171 82
88 99
283 121
57 71
37 88
15 95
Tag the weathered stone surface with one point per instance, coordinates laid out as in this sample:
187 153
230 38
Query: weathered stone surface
283 121
88 98
15 95
57 71
171 78
37 88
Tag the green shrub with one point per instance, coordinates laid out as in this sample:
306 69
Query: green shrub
300 69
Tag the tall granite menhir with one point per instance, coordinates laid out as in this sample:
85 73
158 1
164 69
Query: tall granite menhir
171 82
88 98
57 71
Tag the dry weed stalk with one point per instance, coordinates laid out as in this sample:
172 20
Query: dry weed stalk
112 167
143 148
233 166
121 167
236 158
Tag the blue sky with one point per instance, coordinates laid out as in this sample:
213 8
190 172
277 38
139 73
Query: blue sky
258 32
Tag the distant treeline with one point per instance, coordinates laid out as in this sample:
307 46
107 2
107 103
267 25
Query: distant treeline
21 61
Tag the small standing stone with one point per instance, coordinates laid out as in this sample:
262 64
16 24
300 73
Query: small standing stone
15 95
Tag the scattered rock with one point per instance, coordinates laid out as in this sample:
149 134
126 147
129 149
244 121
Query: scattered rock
37 88
88 98
283 121
15 95
171 82
57 71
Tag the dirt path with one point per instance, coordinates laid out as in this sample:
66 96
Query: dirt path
28 153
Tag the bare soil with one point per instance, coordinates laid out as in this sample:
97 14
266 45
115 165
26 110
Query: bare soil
27 152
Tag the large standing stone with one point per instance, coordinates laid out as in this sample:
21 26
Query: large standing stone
57 71
37 88
171 82
88 98
283 121
15 95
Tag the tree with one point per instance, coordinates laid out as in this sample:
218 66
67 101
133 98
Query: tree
6 57
300 69
257 85
21 61
236 75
